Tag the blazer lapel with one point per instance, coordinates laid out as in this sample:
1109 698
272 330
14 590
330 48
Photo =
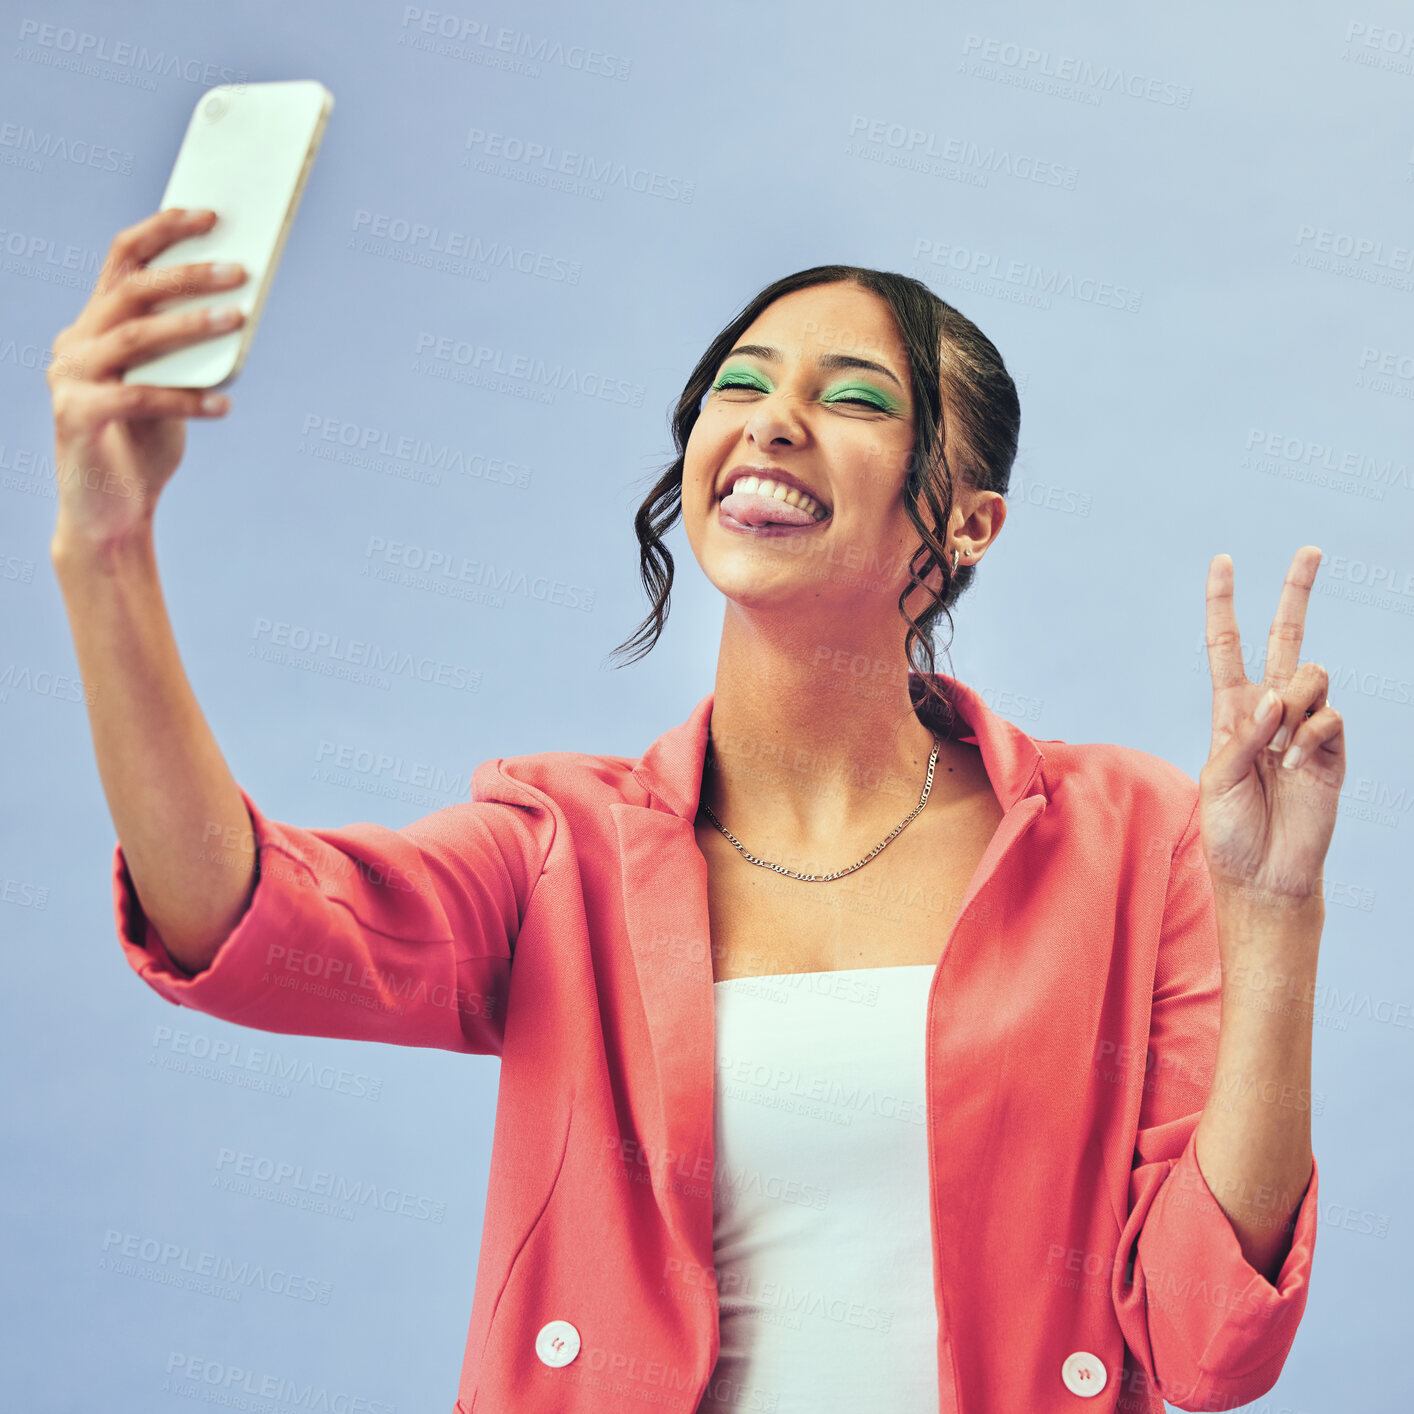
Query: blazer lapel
669 934
665 909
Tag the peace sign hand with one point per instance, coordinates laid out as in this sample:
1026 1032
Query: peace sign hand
1265 825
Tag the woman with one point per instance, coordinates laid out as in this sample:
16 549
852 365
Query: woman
1006 1114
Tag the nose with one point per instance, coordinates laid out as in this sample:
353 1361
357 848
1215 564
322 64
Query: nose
772 421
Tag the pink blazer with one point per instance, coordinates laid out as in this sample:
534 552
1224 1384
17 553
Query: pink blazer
559 921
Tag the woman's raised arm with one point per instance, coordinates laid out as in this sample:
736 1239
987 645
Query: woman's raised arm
404 936
184 827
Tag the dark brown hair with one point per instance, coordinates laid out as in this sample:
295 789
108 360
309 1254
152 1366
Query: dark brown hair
955 370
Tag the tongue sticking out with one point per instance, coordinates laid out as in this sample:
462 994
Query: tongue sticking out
752 508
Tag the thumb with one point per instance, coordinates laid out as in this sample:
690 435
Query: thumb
1232 764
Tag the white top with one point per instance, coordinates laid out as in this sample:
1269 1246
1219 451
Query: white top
822 1239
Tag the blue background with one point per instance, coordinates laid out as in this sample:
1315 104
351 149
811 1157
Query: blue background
1201 278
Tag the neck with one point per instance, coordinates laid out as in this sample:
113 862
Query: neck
805 757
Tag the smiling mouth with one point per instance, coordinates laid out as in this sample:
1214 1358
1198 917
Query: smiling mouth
764 523
757 501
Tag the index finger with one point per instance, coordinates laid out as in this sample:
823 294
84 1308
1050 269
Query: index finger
1224 640
133 247
1289 626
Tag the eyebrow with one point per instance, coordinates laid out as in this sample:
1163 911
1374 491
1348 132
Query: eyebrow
772 355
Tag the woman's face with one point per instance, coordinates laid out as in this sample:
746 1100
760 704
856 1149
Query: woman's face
818 389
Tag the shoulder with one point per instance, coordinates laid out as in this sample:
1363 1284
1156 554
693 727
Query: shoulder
1153 797
568 779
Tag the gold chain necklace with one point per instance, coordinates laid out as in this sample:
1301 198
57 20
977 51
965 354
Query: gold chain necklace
839 873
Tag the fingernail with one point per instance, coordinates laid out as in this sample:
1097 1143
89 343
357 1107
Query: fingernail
226 270
215 402
1292 758
1281 738
1267 705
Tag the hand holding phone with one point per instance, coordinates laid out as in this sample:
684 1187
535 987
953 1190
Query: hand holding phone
116 445
247 155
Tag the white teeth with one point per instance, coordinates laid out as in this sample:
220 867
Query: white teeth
763 486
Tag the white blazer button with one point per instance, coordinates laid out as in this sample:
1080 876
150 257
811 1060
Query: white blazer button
1083 1373
558 1343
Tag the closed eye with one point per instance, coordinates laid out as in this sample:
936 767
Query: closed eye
752 388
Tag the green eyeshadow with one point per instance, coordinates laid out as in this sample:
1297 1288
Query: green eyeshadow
871 394
740 374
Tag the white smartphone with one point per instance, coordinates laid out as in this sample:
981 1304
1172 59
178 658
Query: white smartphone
246 156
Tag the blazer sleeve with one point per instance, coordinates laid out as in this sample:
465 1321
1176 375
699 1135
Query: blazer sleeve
367 933
1210 1331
